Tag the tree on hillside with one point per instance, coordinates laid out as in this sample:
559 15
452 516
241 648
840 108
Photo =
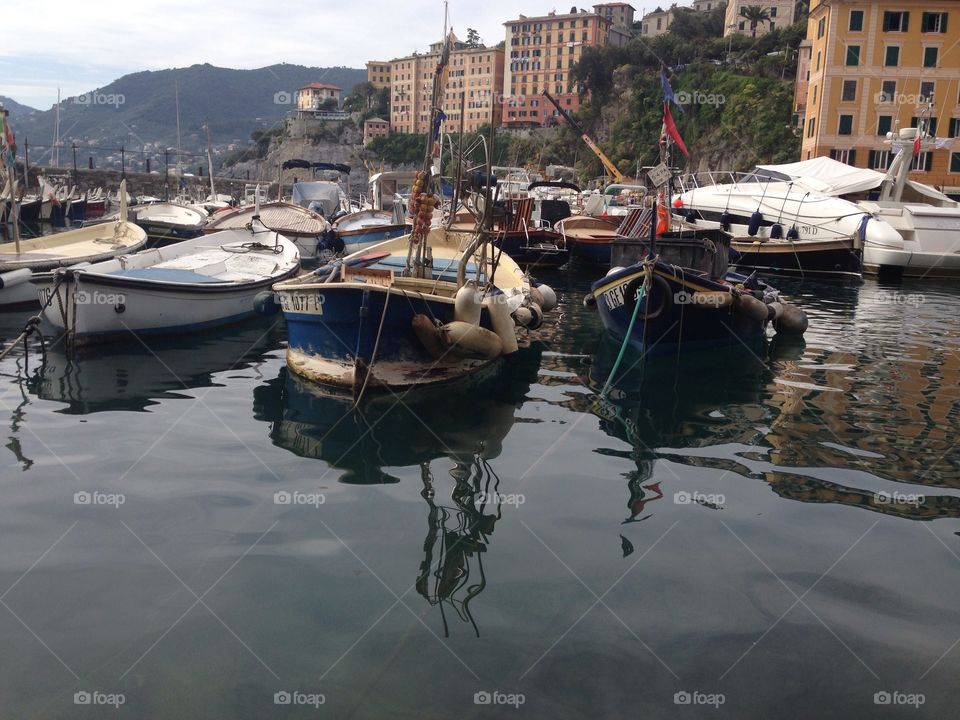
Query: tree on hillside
754 14
473 38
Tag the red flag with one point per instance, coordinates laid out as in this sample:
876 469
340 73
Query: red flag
671 129
916 145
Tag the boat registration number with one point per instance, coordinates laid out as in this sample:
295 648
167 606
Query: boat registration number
307 303
614 298
45 293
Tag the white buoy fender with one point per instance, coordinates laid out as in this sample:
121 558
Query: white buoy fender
536 296
788 319
529 316
501 322
15 277
751 307
429 336
466 305
549 297
471 340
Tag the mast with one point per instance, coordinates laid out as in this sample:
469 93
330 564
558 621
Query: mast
213 193
176 95
56 134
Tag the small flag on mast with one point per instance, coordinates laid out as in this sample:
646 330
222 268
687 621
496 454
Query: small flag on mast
670 129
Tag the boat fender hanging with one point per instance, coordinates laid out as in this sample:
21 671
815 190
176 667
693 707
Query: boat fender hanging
691 217
467 304
265 303
793 233
536 296
790 320
614 270
549 297
15 277
751 307
756 220
529 316
471 341
659 297
726 220
428 334
589 301
501 321
776 231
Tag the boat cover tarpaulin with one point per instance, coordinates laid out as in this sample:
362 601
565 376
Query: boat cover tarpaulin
828 176
317 195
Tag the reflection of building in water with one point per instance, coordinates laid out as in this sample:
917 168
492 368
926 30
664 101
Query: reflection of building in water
457 537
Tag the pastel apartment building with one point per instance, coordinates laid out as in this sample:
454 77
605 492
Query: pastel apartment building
620 14
540 55
378 73
877 67
374 128
312 95
782 13
657 22
475 75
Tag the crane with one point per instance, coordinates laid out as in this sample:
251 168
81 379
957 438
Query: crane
618 176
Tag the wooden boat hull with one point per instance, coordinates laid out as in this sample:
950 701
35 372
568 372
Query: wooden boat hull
666 320
838 258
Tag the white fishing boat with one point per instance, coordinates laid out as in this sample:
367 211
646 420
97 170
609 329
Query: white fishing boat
168 222
310 232
192 285
28 265
927 222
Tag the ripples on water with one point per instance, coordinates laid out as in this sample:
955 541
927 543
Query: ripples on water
756 524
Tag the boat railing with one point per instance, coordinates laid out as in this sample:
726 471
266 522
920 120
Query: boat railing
694 181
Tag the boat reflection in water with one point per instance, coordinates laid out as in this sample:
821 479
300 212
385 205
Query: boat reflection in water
465 423
138 375
741 412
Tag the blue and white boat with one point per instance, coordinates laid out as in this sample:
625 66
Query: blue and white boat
196 284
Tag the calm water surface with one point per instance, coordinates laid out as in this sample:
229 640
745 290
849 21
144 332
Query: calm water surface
769 532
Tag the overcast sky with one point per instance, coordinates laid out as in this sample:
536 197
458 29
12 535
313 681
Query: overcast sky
82 46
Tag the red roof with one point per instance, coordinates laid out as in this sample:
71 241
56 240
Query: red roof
319 86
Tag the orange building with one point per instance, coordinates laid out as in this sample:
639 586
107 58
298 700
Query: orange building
877 67
475 75
374 128
378 73
542 52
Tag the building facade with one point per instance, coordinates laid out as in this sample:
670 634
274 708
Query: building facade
475 78
781 13
877 67
705 5
618 13
657 22
378 73
540 55
313 95
374 128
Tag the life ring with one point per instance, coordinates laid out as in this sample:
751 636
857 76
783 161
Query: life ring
662 296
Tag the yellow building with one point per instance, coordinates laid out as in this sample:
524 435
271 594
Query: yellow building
476 74
378 73
542 54
313 95
657 22
876 67
781 14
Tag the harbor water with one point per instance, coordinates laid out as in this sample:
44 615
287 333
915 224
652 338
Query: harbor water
765 532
